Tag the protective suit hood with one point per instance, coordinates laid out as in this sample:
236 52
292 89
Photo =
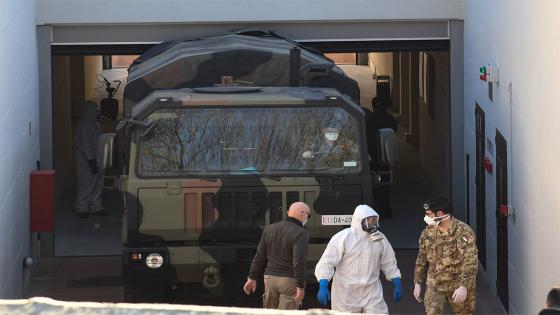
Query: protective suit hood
89 111
361 212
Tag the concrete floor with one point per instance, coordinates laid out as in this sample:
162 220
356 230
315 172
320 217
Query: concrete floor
96 235
99 279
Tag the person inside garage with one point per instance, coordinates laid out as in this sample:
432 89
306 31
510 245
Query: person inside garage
383 149
89 176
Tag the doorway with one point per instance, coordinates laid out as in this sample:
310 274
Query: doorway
480 186
422 136
501 219
77 78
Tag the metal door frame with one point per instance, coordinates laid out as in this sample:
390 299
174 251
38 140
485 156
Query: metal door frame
480 183
501 220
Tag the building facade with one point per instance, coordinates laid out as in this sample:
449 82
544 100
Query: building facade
516 123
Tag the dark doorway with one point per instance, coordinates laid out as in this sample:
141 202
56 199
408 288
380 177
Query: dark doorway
480 186
501 219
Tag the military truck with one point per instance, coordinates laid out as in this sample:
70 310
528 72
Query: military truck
217 145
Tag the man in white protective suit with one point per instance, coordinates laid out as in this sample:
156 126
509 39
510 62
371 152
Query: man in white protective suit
353 259
90 178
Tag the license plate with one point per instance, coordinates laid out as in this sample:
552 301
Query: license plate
336 219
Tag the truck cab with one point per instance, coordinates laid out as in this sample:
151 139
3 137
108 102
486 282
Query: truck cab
207 169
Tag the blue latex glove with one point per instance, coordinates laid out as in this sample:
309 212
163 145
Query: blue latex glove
397 289
324 296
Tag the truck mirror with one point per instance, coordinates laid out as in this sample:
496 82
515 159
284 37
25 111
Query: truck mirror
383 178
105 150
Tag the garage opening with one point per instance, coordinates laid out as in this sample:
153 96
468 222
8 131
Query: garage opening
416 84
77 78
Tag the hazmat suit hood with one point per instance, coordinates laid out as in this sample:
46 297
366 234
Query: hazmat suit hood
89 111
362 212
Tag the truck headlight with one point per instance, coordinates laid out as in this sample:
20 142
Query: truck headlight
154 261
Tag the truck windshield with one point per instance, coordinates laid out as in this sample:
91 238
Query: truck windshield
258 140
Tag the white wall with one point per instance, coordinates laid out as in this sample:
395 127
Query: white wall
18 139
381 63
522 38
93 65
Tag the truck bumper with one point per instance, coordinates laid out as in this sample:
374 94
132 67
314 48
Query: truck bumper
207 265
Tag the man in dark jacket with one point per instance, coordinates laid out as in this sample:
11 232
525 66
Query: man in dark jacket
283 247
380 118
377 119
552 302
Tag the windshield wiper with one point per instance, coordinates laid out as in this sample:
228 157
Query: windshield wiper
254 171
276 178
327 173
208 178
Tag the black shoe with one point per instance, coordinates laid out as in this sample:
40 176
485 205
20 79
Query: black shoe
82 215
100 212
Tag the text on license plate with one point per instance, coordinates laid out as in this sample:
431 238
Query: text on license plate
345 219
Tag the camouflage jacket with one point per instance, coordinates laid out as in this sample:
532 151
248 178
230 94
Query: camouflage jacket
333 155
450 259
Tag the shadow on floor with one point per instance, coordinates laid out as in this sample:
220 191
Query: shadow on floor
96 235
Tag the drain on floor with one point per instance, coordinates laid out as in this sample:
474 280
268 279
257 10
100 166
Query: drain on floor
107 281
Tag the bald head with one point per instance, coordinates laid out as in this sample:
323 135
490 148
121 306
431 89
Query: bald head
299 210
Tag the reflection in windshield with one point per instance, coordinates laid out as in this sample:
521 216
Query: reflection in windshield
240 141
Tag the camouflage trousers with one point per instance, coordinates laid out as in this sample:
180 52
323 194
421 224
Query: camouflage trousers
434 302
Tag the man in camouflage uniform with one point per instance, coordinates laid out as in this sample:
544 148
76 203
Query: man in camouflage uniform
447 253
331 151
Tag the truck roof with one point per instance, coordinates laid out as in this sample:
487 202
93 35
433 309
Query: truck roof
243 97
259 59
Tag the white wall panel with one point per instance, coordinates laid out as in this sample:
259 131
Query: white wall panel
19 138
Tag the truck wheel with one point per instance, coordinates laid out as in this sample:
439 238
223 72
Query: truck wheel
144 293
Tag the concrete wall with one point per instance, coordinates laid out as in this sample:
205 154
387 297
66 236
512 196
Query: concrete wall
62 120
195 11
93 66
381 64
18 139
521 37
434 129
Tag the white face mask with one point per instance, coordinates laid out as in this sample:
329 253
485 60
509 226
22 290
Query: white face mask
331 136
435 220
429 221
